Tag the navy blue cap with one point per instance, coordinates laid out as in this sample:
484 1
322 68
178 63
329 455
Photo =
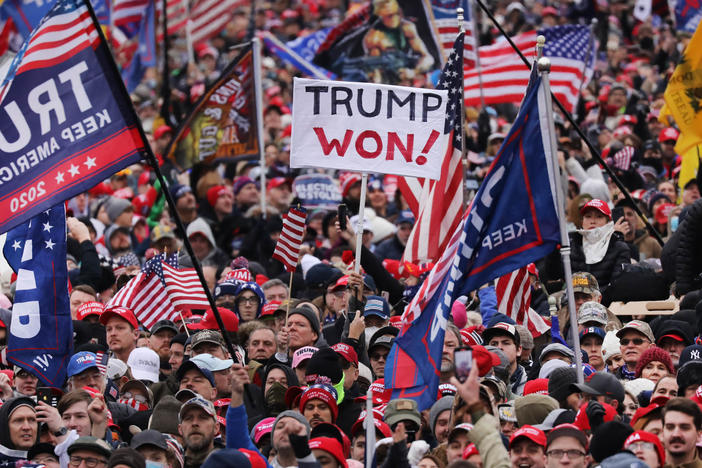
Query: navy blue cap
691 353
190 365
377 305
405 216
80 362
593 331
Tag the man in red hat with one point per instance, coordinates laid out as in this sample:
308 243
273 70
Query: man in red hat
122 331
318 405
527 447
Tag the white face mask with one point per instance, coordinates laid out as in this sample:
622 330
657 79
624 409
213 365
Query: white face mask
368 332
596 242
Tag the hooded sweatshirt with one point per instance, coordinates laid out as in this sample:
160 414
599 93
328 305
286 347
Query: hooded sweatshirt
8 452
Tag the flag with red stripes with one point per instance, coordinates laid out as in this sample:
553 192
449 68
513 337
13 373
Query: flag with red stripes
209 17
287 249
513 292
442 17
146 296
176 15
440 204
184 288
571 49
127 13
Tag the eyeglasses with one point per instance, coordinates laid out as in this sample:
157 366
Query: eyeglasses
379 356
250 300
634 341
90 462
634 446
571 454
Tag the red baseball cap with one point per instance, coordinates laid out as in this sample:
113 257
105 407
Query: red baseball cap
209 322
331 446
644 411
469 451
121 312
214 193
486 359
381 395
270 308
530 432
255 458
90 308
263 427
643 436
598 205
343 281
346 352
277 182
380 425
668 134
538 386
162 130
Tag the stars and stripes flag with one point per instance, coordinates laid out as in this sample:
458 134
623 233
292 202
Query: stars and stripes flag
571 49
443 19
160 291
439 205
513 292
511 223
128 13
287 249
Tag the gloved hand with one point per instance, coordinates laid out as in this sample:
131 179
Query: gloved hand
595 414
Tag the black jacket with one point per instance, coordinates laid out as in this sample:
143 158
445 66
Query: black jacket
610 267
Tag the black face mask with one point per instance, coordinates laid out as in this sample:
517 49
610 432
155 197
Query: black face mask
647 43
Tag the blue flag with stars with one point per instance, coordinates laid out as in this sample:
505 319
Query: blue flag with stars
41 331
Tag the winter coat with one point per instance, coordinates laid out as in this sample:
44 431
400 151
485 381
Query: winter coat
610 267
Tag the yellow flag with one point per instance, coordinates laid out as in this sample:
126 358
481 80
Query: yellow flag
683 102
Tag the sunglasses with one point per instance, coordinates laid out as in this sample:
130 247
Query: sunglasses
634 341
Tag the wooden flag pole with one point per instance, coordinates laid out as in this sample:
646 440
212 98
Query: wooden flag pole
151 159
359 226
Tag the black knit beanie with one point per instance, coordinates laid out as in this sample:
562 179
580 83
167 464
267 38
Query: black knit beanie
324 362
608 439
559 383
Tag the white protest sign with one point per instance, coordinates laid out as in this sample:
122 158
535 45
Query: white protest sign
366 127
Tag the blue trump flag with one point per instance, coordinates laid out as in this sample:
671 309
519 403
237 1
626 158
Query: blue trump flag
511 223
41 332
687 15
66 121
145 55
297 52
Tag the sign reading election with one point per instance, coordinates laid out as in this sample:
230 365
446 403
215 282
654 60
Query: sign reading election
368 127
66 122
317 191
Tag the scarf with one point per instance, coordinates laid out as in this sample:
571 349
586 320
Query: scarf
626 374
596 242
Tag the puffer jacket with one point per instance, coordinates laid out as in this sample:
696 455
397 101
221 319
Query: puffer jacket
609 268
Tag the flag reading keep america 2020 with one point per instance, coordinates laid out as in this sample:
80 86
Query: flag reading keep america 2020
66 122
511 223
40 333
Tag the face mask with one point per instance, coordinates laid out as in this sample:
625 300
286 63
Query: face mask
137 405
275 398
368 332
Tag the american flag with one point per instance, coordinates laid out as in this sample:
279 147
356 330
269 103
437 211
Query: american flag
513 292
160 290
445 26
128 13
176 14
64 32
622 158
571 49
287 249
440 205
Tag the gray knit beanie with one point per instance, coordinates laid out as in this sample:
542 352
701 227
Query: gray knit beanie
441 405
291 414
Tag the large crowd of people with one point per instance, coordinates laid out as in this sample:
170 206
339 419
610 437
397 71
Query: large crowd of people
285 383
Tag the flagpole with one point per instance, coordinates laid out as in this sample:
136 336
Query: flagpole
544 68
154 164
370 431
593 151
461 30
189 33
258 90
166 84
359 226
471 11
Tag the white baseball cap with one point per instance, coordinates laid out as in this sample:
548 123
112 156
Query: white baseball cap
145 364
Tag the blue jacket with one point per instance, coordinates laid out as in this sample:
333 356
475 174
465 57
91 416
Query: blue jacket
237 431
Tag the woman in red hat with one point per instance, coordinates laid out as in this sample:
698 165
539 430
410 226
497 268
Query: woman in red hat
599 247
